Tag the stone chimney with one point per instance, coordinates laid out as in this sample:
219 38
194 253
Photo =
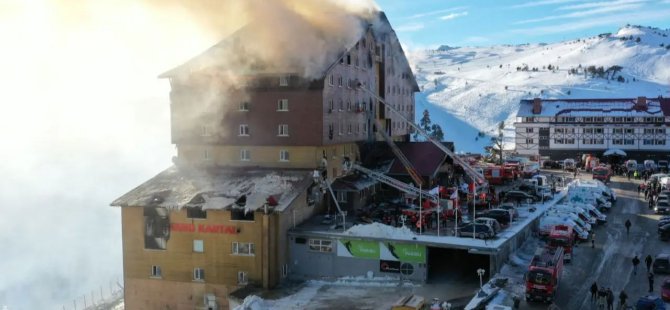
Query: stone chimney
537 106
641 104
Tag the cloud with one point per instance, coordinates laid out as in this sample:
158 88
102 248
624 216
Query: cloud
453 15
542 3
590 5
594 22
410 27
578 14
432 13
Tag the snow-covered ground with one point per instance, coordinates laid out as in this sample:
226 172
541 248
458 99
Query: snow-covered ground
470 90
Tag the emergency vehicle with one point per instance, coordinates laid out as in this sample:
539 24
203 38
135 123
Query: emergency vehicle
544 274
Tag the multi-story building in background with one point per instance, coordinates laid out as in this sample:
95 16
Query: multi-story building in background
568 128
245 167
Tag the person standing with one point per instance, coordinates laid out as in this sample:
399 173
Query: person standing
593 239
636 261
594 291
650 277
648 260
610 299
627 224
622 299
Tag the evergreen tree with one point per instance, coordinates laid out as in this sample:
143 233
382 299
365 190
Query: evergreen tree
425 124
436 132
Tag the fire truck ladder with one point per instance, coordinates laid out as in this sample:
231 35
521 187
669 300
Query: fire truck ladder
332 194
398 153
394 183
472 173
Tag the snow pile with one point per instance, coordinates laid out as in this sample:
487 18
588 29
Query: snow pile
378 230
470 90
253 302
370 281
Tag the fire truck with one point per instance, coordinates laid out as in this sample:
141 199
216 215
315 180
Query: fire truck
562 236
494 174
544 274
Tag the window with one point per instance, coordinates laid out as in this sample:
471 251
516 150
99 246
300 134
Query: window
284 270
242 277
529 130
245 155
283 80
659 119
648 131
341 196
244 130
564 141
206 155
240 214
341 105
339 81
283 155
660 130
529 141
198 246
198 274
348 105
243 248
630 119
617 130
588 120
156 271
649 119
617 141
321 245
244 106
593 141
598 119
598 130
205 131
349 129
349 59
196 213
339 128
282 105
629 142
331 106
330 80
283 130
528 119
618 119
630 131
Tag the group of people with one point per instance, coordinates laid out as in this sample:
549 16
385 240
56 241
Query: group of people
650 275
651 191
604 296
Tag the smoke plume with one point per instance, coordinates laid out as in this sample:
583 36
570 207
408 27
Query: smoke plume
85 120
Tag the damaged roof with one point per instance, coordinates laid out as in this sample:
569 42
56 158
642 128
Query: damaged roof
217 188
424 156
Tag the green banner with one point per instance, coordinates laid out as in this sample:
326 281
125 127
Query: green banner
405 252
358 249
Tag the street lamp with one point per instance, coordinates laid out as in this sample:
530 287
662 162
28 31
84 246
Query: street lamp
480 272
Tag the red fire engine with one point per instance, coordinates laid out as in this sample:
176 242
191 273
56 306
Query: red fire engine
562 236
544 274
494 174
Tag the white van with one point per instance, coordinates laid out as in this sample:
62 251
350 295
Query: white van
548 222
600 217
572 215
590 196
631 165
583 214
597 186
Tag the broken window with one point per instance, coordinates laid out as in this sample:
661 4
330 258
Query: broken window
240 214
196 213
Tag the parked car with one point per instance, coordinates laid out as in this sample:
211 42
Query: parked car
551 164
664 231
665 289
501 215
661 263
511 209
489 221
662 206
650 302
480 231
519 196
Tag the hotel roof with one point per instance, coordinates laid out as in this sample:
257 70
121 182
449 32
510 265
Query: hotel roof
596 107
217 188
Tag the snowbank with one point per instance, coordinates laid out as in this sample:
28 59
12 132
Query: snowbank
378 230
253 302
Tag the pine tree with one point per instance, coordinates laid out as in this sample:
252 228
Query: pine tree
425 124
436 132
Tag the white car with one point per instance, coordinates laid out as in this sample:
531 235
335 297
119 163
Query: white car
549 221
573 216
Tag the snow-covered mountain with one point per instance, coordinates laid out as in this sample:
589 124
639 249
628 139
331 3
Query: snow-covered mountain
470 90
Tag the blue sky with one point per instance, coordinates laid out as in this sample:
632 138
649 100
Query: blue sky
426 23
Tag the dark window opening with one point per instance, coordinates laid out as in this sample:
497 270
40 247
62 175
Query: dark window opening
240 214
348 59
300 240
242 201
196 213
